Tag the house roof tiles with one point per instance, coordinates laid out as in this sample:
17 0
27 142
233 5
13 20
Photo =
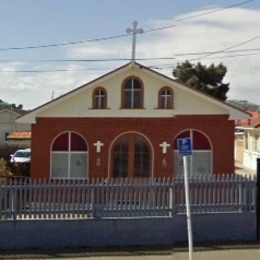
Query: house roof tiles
19 135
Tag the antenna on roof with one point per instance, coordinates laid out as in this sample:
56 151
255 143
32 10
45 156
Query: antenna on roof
134 31
52 95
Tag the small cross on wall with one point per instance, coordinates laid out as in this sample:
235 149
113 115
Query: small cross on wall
164 146
98 145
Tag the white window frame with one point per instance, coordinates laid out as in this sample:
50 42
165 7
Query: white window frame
69 153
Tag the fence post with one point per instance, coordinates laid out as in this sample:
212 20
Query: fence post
14 198
258 199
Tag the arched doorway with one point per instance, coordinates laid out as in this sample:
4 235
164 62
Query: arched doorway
69 157
200 162
131 157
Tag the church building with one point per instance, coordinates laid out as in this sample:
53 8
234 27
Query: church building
126 124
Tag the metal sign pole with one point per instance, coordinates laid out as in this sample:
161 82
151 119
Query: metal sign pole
185 150
187 200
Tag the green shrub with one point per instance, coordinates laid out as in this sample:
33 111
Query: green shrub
4 169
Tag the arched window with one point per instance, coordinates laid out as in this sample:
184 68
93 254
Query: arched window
99 98
131 157
69 157
132 93
165 98
200 162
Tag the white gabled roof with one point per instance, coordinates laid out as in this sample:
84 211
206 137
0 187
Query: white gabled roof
233 112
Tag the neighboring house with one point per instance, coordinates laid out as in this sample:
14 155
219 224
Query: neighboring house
248 144
23 138
8 125
126 124
239 146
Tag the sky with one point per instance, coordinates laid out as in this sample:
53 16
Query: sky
49 47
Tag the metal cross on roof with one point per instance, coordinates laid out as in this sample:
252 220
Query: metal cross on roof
134 31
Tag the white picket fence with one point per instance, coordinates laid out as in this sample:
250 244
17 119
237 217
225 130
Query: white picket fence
100 198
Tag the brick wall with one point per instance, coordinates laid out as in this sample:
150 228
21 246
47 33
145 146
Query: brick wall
218 129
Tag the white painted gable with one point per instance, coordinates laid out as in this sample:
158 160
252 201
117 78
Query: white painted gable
187 101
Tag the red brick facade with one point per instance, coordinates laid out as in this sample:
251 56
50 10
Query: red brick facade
218 129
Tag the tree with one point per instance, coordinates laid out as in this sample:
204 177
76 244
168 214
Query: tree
207 79
4 105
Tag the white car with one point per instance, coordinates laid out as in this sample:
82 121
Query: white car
21 156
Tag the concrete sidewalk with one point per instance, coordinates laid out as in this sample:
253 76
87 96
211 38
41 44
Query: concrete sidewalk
212 252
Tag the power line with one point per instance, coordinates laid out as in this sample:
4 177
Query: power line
208 53
235 56
90 60
56 70
63 44
197 15
123 35
170 66
228 48
158 66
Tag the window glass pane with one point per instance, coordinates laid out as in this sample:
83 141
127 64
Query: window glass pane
120 158
96 105
120 164
61 143
128 99
168 102
122 145
59 165
201 163
141 159
99 98
167 92
165 98
137 99
137 85
102 103
77 143
78 165
132 94
200 142
178 164
129 85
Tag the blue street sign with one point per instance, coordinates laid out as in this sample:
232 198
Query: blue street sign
184 146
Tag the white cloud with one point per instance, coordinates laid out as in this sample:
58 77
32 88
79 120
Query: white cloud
211 32
34 89
100 50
